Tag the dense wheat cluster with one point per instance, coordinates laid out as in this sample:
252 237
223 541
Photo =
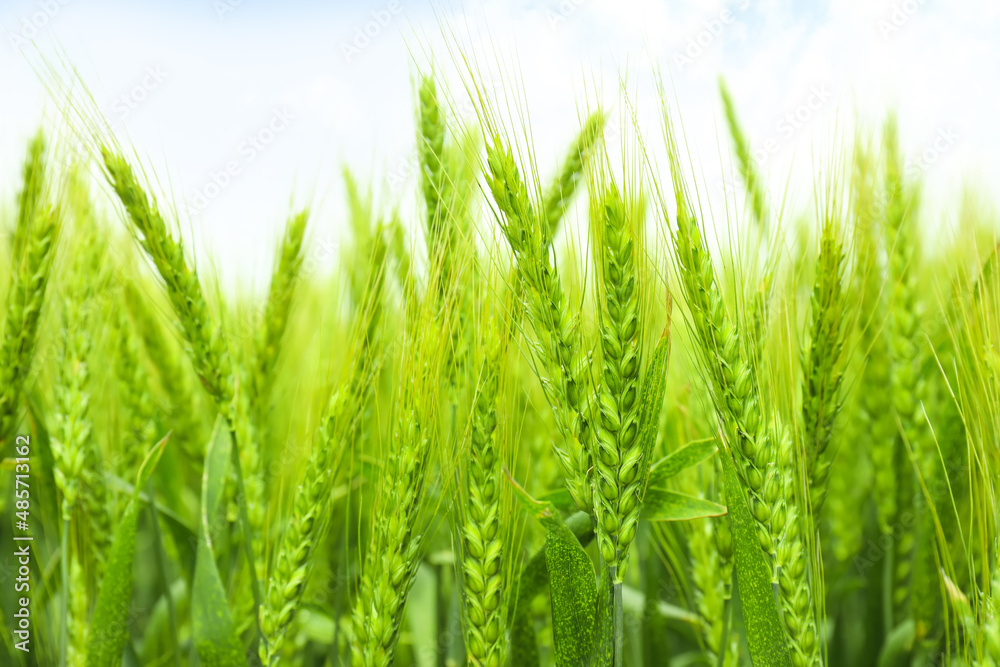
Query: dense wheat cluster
565 418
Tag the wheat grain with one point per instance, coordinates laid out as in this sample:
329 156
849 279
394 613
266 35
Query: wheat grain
174 372
208 350
558 346
483 527
763 448
402 509
433 182
277 308
393 556
560 192
823 371
620 463
904 350
295 555
34 249
748 167
206 345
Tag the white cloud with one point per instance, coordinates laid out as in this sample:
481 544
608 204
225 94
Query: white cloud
226 77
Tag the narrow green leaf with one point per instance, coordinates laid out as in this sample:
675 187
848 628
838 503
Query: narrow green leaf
654 385
109 630
765 634
524 642
110 626
186 528
572 583
574 594
535 577
561 499
214 633
664 505
149 463
686 457
898 645
182 534
634 602
609 617
533 580
214 475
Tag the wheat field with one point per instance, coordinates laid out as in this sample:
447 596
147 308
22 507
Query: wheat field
568 418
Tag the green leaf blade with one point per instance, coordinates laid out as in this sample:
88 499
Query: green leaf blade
109 630
149 463
765 635
664 505
572 583
686 457
574 594
215 637
111 622
654 387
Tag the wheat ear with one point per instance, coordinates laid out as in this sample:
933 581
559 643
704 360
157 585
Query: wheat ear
619 462
34 249
823 373
762 445
559 348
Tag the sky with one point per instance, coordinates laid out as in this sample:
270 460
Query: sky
245 109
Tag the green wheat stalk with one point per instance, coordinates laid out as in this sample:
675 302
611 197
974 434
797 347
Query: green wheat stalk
905 351
34 248
762 444
485 527
269 335
559 194
558 348
748 169
206 345
620 464
823 373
